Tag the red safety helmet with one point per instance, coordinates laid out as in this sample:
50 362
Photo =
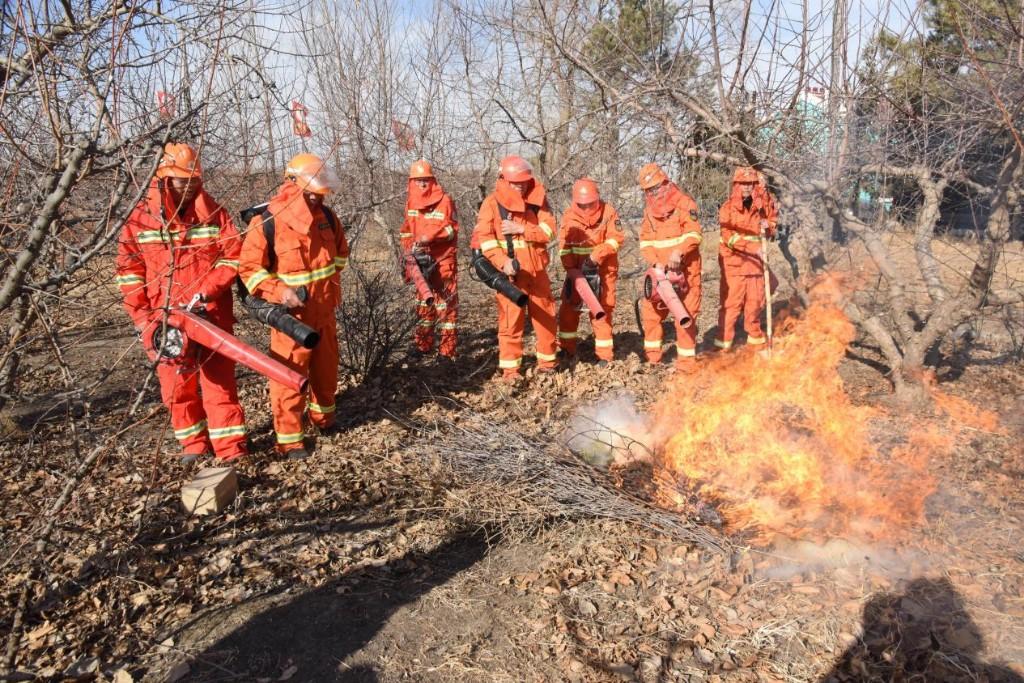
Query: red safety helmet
515 169
420 169
650 176
584 191
179 161
310 173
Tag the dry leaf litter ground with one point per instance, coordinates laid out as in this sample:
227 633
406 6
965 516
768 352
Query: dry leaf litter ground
385 557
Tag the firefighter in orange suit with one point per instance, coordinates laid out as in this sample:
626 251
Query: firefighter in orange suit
431 227
513 229
309 253
670 237
176 245
589 237
748 216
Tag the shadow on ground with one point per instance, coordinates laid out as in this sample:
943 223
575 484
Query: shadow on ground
319 630
922 634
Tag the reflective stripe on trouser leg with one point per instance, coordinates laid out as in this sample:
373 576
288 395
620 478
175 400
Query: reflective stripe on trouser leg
651 317
323 373
730 307
423 336
753 307
448 316
223 409
287 404
511 321
542 313
686 345
180 393
604 344
568 325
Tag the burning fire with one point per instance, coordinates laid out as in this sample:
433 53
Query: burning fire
780 449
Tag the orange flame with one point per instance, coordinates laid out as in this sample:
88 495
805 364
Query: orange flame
779 448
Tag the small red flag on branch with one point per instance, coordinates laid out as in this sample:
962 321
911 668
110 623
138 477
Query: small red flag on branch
299 125
165 104
404 136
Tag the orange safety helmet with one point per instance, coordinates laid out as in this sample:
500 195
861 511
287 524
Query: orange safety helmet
179 161
745 174
584 191
420 169
515 169
310 173
650 176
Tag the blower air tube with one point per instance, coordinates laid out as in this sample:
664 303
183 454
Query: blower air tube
205 333
277 316
497 280
578 282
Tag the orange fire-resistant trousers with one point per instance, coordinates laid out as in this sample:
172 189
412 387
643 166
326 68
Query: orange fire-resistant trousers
512 322
569 321
652 316
741 294
320 364
442 317
202 398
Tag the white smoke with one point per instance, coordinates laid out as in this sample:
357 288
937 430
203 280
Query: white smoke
610 432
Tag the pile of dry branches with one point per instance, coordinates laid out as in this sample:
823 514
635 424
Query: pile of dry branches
518 483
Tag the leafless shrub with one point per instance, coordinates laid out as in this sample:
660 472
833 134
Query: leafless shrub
375 321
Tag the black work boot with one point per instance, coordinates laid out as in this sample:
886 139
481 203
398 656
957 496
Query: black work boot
297 454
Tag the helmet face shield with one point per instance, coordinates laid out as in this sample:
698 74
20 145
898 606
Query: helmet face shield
311 174
324 181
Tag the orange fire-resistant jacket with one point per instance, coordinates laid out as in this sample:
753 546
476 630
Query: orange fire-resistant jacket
164 251
533 214
680 229
310 251
434 224
740 246
598 238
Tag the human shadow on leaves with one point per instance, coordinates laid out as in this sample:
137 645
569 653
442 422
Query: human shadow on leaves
922 634
319 629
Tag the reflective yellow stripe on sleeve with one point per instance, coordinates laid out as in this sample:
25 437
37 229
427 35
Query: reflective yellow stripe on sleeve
125 280
306 278
666 243
256 278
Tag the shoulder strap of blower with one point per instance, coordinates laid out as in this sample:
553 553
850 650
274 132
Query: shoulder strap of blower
504 214
269 227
